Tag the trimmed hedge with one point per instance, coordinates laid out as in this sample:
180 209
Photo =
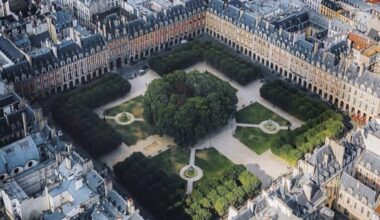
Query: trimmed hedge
73 112
321 122
164 195
233 188
214 54
151 186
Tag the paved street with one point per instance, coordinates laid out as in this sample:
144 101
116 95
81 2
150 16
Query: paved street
150 147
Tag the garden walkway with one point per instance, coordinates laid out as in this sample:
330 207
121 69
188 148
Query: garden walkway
139 86
265 166
258 126
191 180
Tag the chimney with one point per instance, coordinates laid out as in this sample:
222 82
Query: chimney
78 183
24 123
52 133
131 207
280 31
68 163
316 47
308 190
338 151
250 205
361 69
258 20
241 11
232 213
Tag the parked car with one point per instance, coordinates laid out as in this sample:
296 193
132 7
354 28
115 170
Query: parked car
184 41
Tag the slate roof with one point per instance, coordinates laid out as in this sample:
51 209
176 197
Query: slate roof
373 34
94 180
358 189
371 159
63 19
10 51
36 40
147 23
44 59
332 5
18 154
67 49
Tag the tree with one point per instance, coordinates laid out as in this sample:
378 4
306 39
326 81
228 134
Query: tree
187 106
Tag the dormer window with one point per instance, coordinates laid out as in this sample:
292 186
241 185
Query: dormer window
368 166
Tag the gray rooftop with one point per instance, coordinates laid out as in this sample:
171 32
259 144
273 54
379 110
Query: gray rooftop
356 188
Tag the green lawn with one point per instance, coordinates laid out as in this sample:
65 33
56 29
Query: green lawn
172 160
212 163
138 130
209 160
133 106
256 139
256 113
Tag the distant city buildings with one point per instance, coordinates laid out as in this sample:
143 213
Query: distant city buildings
316 44
328 47
343 177
17 118
43 177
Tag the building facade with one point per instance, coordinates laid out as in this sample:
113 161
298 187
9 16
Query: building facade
321 71
301 46
59 67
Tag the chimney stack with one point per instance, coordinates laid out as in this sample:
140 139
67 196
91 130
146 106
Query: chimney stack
24 123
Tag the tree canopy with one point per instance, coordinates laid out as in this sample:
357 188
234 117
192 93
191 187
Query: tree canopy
187 106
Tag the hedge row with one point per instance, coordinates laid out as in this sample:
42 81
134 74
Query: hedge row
164 195
151 186
73 112
233 188
321 122
214 54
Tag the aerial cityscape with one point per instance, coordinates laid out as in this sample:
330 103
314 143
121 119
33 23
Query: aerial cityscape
189 109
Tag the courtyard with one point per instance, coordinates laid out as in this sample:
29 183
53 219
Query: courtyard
241 142
250 152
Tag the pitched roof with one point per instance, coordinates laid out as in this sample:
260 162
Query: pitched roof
356 188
